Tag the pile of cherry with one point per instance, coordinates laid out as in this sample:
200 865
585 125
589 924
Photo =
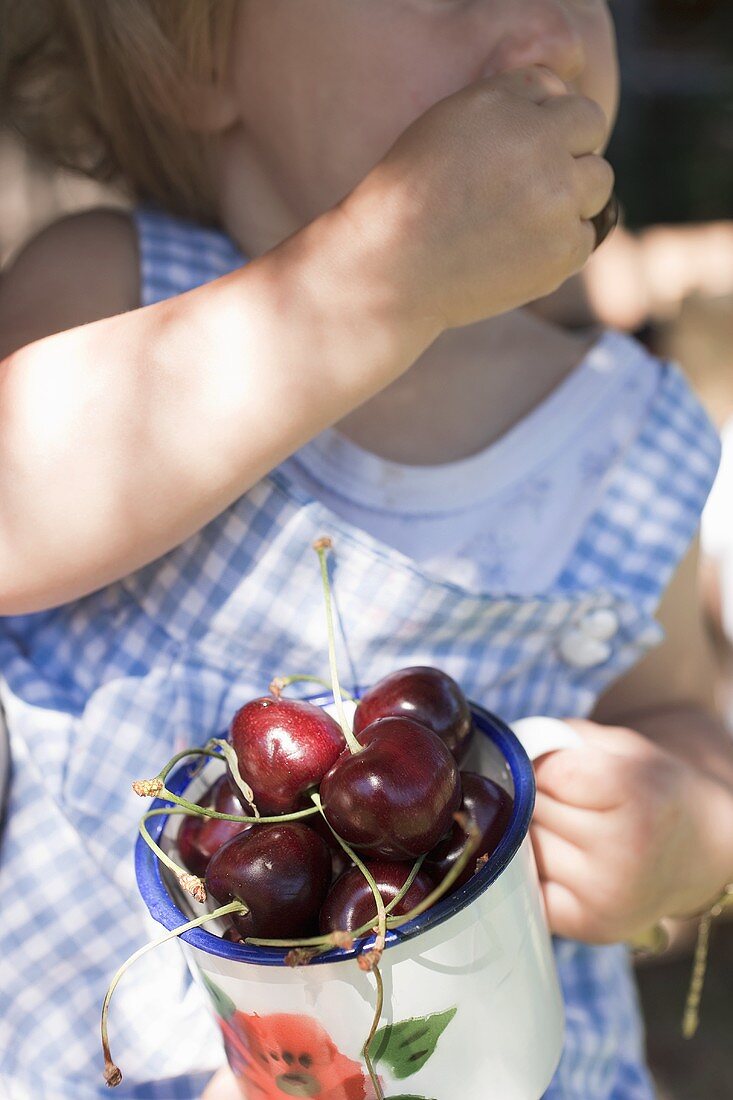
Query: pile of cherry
321 831
389 792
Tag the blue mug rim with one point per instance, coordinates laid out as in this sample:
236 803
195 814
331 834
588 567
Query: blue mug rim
162 907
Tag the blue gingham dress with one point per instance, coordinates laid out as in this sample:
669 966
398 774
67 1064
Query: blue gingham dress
104 690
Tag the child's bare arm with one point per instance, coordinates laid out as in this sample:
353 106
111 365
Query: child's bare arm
637 824
121 438
676 681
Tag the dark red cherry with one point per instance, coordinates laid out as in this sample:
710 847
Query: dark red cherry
487 805
200 837
339 863
284 747
231 934
282 872
426 695
396 798
350 902
339 860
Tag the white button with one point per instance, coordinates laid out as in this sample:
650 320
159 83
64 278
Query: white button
582 651
602 624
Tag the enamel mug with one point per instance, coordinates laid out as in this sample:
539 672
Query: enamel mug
472 1005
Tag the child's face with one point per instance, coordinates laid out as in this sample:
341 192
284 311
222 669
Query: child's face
324 87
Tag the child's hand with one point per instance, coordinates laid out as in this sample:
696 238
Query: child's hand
625 834
482 205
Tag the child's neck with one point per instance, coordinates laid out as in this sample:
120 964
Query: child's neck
469 388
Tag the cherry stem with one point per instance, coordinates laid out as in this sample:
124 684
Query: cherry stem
204 811
373 1031
327 942
468 850
150 788
155 788
231 758
408 883
322 546
112 1073
691 1016
192 884
206 751
376 953
278 685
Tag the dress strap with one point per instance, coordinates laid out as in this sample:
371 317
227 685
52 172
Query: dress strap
652 504
177 255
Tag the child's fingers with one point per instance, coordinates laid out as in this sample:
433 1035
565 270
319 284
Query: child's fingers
588 778
557 859
535 82
580 123
596 180
570 917
615 739
589 238
576 826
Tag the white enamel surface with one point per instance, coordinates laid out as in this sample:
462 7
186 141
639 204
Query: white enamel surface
493 961
540 735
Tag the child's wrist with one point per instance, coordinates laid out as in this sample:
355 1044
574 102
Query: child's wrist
715 829
377 242
721 833
341 271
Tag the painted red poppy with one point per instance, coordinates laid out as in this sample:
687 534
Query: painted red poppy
285 1055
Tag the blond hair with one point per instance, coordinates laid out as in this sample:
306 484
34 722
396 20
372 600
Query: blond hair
99 86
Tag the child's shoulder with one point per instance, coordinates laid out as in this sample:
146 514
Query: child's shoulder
78 269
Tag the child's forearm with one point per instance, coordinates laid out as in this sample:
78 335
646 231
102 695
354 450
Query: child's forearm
693 734
701 740
121 438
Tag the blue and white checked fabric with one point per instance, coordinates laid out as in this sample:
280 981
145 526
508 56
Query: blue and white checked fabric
104 690
175 257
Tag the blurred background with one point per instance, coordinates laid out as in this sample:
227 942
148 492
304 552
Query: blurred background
673 145
666 276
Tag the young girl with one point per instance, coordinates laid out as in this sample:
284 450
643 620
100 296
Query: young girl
364 192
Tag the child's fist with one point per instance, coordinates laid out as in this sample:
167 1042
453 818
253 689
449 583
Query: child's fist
624 834
484 202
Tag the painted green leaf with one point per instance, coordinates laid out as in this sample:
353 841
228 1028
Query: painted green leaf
407 1046
223 1004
